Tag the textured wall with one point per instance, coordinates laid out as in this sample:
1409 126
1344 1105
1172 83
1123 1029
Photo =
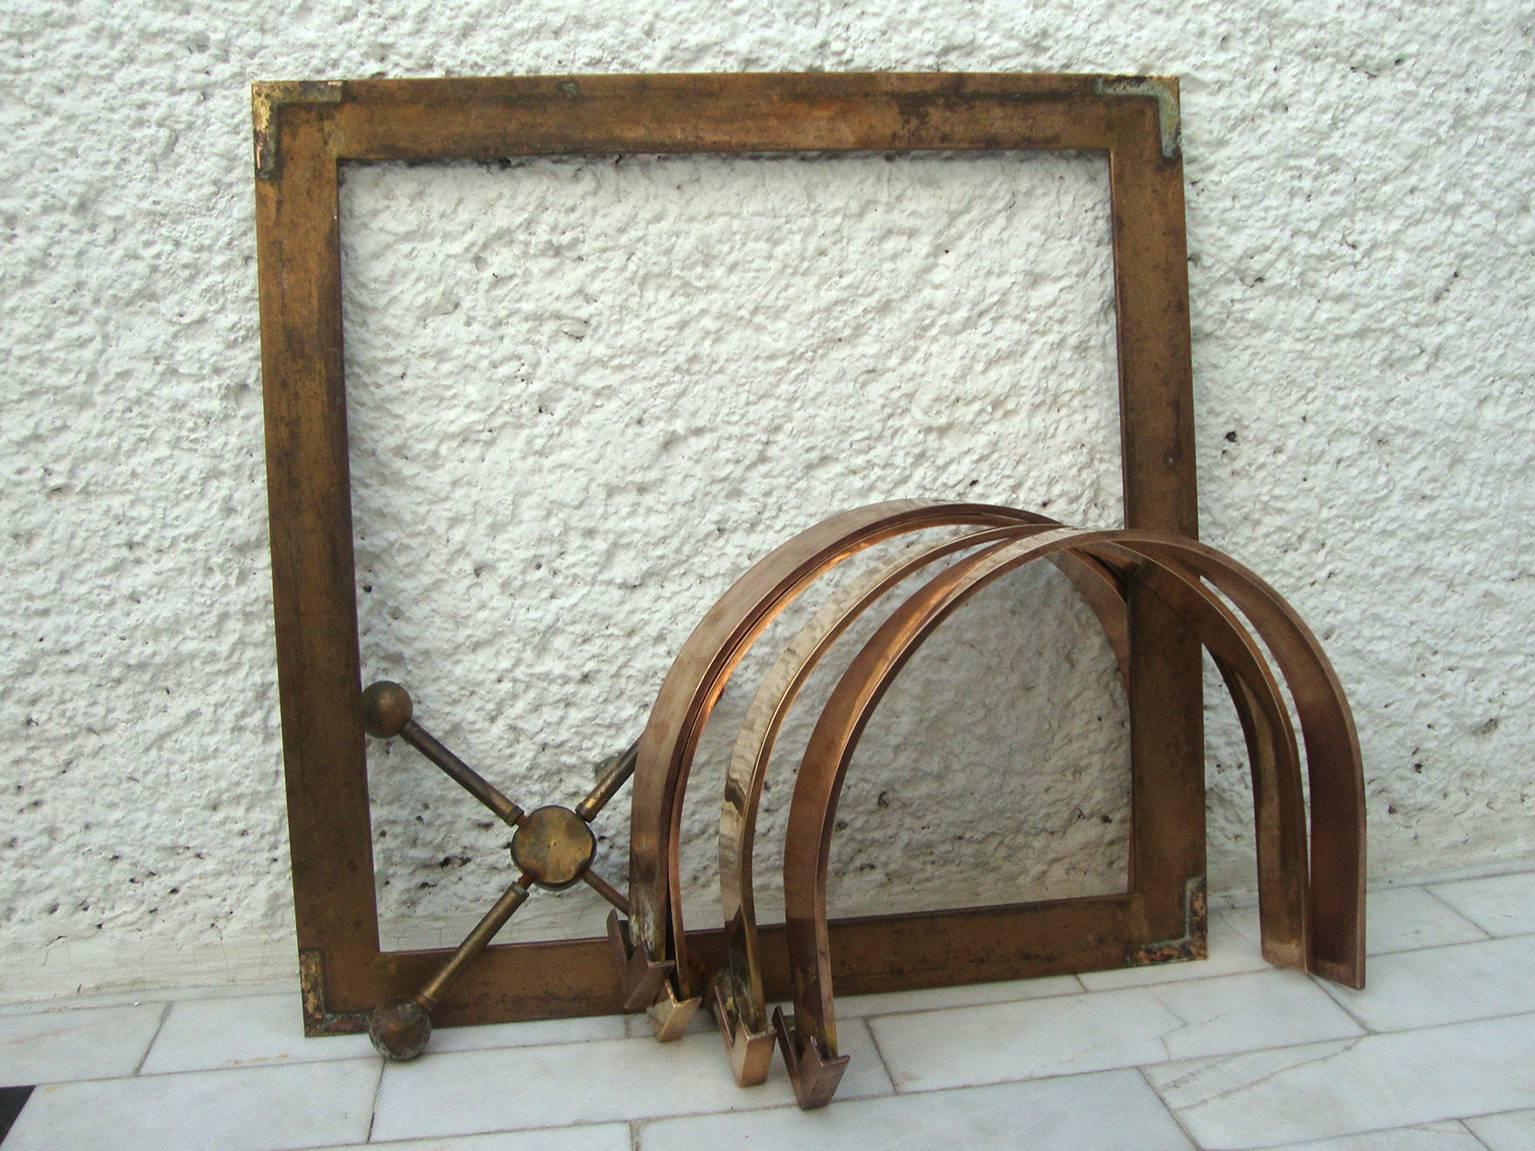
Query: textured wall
546 364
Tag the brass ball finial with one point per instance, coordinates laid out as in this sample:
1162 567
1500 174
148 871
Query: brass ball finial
386 709
400 1031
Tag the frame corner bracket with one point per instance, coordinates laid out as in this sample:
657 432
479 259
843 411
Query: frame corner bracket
1162 89
268 99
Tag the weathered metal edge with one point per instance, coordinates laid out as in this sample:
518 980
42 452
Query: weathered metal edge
1162 89
1192 944
268 99
311 982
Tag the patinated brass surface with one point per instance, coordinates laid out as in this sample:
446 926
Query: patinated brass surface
305 131
552 845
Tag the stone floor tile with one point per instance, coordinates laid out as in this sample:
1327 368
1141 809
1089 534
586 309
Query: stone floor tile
252 1109
206 1034
1407 918
1444 985
970 1046
606 1137
1324 1090
601 1081
1499 904
1511 1131
1396 919
57 1046
532 1033
1447 1136
1242 1012
938 998
1103 1112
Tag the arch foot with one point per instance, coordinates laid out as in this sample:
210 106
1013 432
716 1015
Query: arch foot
815 1077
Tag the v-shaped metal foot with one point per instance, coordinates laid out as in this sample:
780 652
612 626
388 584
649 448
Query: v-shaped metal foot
751 1052
640 977
814 1076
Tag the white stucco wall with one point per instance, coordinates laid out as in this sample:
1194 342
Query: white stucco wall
585 394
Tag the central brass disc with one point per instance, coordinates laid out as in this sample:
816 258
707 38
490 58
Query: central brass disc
554 846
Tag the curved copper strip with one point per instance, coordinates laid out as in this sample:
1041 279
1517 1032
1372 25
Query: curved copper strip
1279 804
1333 763
698 676
739 999
1327 727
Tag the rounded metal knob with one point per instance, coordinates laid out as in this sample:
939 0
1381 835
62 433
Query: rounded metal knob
400 1031
386 709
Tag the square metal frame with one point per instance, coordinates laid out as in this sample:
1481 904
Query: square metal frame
305 130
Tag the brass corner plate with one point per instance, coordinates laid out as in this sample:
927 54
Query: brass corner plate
304 131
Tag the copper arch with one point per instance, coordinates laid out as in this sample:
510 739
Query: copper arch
1336 913
1279 805
692 687
739 1000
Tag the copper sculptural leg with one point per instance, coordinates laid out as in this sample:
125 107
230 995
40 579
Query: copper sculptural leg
737 987
1333 767
1279 805
1336 937
654 949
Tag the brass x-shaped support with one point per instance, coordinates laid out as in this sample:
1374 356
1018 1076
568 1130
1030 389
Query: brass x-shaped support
553 846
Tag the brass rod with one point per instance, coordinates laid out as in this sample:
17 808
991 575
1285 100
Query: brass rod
475 942
461 773
605 889
607 787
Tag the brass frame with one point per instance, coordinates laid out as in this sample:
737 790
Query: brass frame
305 130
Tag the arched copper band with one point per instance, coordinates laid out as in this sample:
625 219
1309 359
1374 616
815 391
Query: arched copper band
1279 805
1334 768
1332 749
1279 802
700 672
738 989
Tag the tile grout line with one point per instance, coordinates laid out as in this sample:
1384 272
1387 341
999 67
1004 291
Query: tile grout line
865 1019
989 1003
1168 1107
138 1067
304 1061
1459 914
1530 1015
1466 1127
253 1069
637 1124
868 1026
1487 937
1353 1039
171 995
1151 988
378 1090
1290 1143
1325 986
